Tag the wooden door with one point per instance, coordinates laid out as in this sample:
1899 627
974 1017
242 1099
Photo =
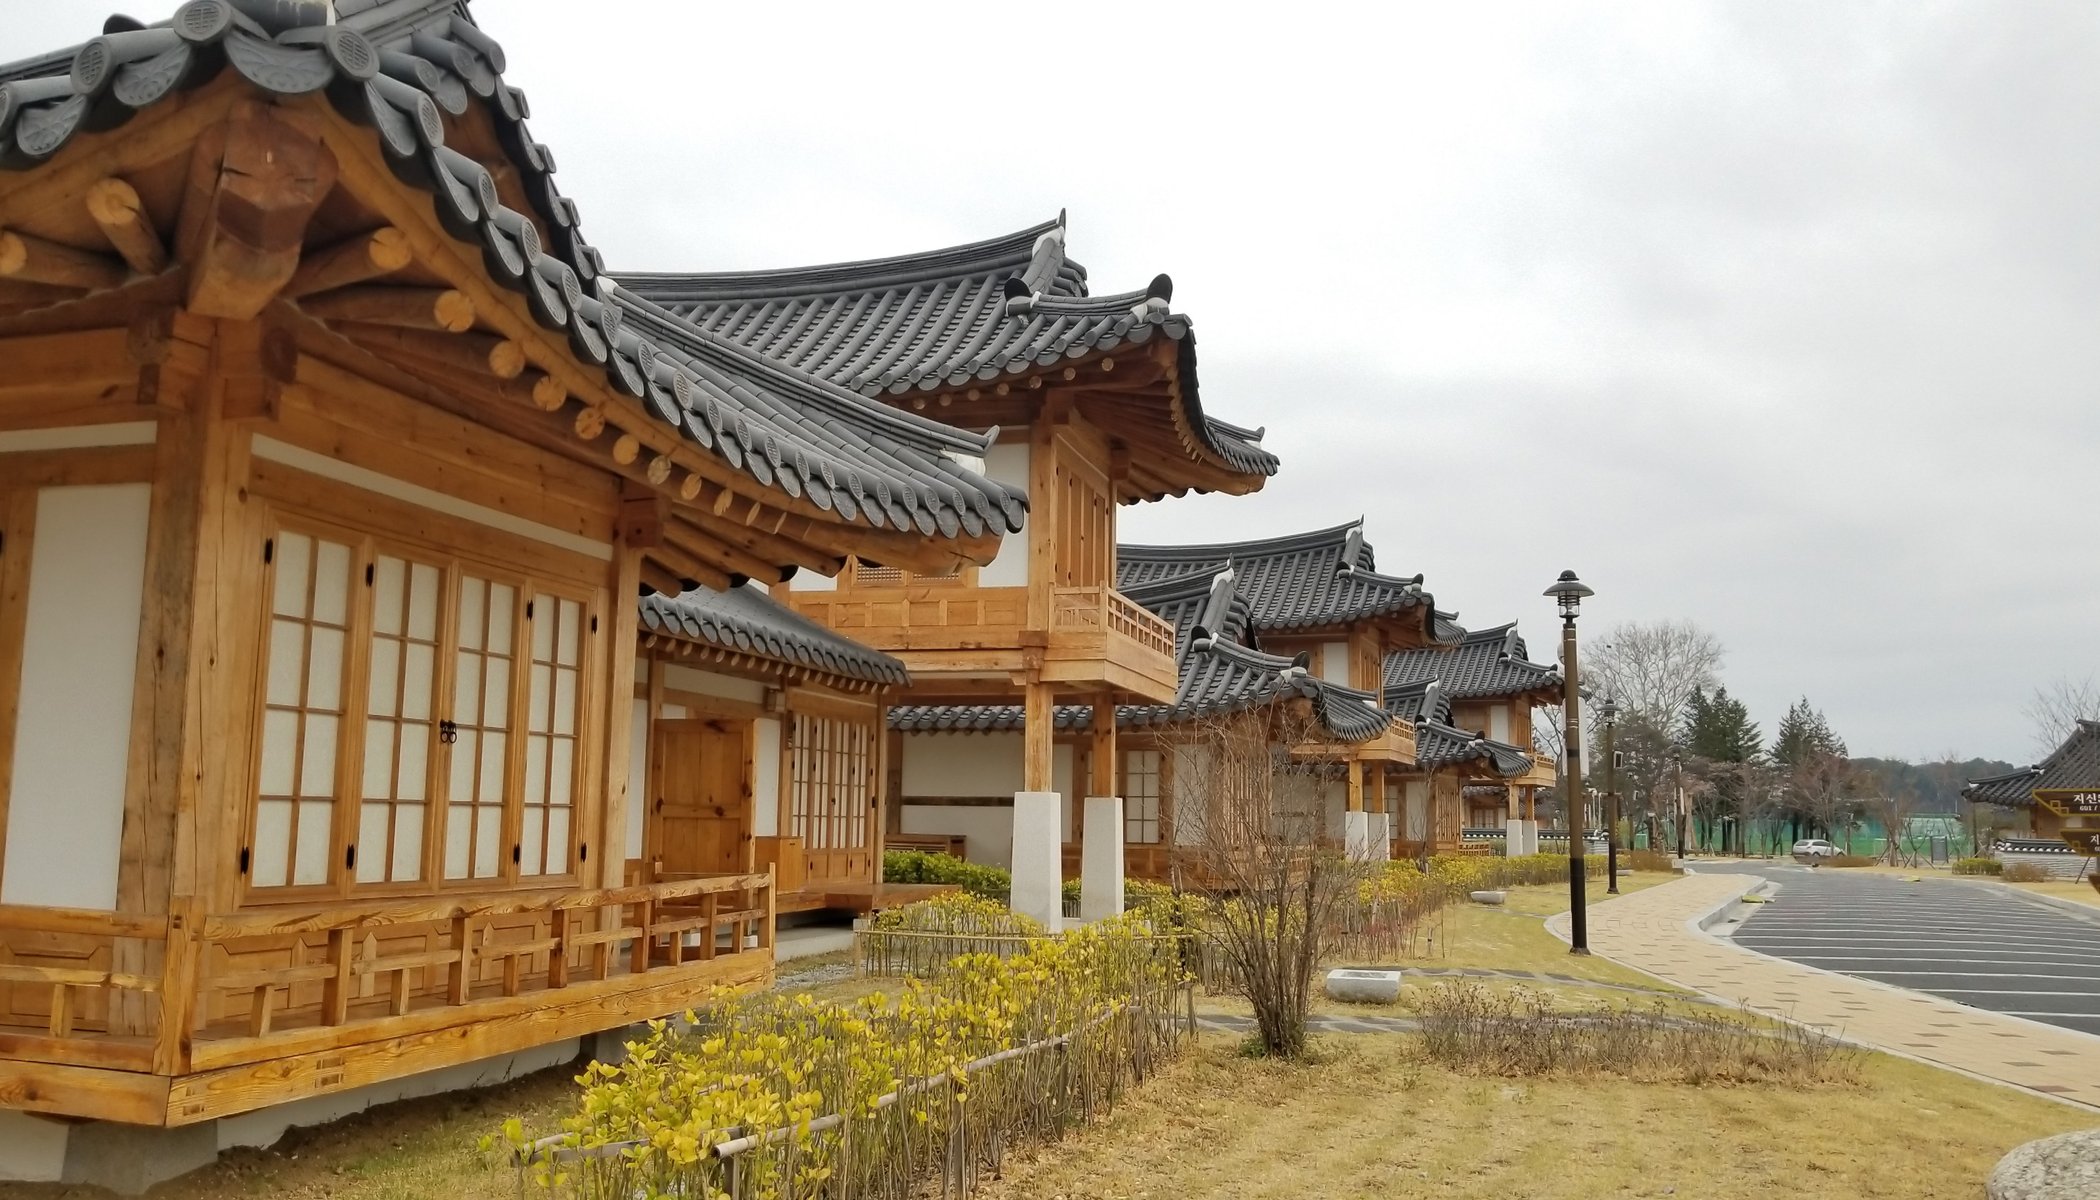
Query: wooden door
700 803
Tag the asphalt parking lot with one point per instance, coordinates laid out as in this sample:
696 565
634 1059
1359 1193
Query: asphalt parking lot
1974 944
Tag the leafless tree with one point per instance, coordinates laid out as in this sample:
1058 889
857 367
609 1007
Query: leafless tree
2056 710
1825 787
1273 890
1895 805
1651 668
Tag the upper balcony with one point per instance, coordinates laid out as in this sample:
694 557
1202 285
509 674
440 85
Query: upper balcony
1091 637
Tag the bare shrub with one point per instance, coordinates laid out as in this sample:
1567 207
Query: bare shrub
2024 872
1524 1032
1271 894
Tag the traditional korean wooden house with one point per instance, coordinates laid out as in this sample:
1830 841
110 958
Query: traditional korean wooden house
331 469
2060 798
1490 687
1220 673
1089 402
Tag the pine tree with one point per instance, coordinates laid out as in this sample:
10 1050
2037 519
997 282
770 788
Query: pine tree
1719 728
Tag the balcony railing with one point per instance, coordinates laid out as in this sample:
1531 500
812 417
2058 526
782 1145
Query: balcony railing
1101 608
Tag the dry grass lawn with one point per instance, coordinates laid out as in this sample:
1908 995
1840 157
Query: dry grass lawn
2080 891
1373 1120
1514 937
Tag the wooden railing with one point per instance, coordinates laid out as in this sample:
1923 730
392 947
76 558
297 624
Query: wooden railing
532 937
104 990
259 972
1101 607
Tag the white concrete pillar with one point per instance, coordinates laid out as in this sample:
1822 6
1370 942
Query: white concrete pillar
1513 838
1038 873
1101 859
1356 836
1380 835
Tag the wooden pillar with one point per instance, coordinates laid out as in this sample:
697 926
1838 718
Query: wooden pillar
619 791
1375 801
1356 787
189 739
1101 759
1037 733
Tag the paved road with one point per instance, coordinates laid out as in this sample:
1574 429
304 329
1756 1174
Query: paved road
1975 945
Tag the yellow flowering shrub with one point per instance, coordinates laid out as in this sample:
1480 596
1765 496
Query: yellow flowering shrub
780 1096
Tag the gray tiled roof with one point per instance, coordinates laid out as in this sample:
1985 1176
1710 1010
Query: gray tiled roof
395 66
745 620
2074 764
946 318
1218 674
1486 664
1303 581
1440 745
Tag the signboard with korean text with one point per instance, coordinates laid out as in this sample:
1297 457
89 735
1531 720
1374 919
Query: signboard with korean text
2069 802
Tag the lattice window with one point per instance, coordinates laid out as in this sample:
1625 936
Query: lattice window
1141 793
831 786
302 712
400 722
550 734
485 620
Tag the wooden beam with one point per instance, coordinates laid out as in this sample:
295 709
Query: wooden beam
265 177
114 204
475 353
701 545
410 307
352 260
683 566
28 259
80 359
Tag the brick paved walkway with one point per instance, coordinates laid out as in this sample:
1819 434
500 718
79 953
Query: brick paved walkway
1653 931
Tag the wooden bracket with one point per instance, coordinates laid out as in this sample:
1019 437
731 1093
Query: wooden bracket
254 183
642 520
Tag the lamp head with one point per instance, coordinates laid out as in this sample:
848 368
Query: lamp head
1569 592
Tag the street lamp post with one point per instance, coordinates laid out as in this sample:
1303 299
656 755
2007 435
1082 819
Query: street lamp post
1608 712
1682 817
1569 592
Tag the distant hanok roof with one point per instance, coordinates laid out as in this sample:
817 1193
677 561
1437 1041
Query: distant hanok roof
1438 743
1319 579
1218 673
2074 764
745 622
1487 664
422 75
1012 312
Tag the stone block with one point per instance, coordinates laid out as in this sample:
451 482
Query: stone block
1487 897
2064 1167
1363 987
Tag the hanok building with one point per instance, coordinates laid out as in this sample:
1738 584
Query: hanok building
1089 402
330 473
2060 797
1221 675
1483 683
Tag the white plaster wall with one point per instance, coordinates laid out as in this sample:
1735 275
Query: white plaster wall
1334 796
1191 768
74 437
1334 662
709 683
989 830
1498 722
1007 462
962 764
765 779
1417 801
87 571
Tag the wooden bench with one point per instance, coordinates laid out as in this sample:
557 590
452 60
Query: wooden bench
953 845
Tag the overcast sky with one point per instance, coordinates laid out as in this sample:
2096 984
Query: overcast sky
1778 317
